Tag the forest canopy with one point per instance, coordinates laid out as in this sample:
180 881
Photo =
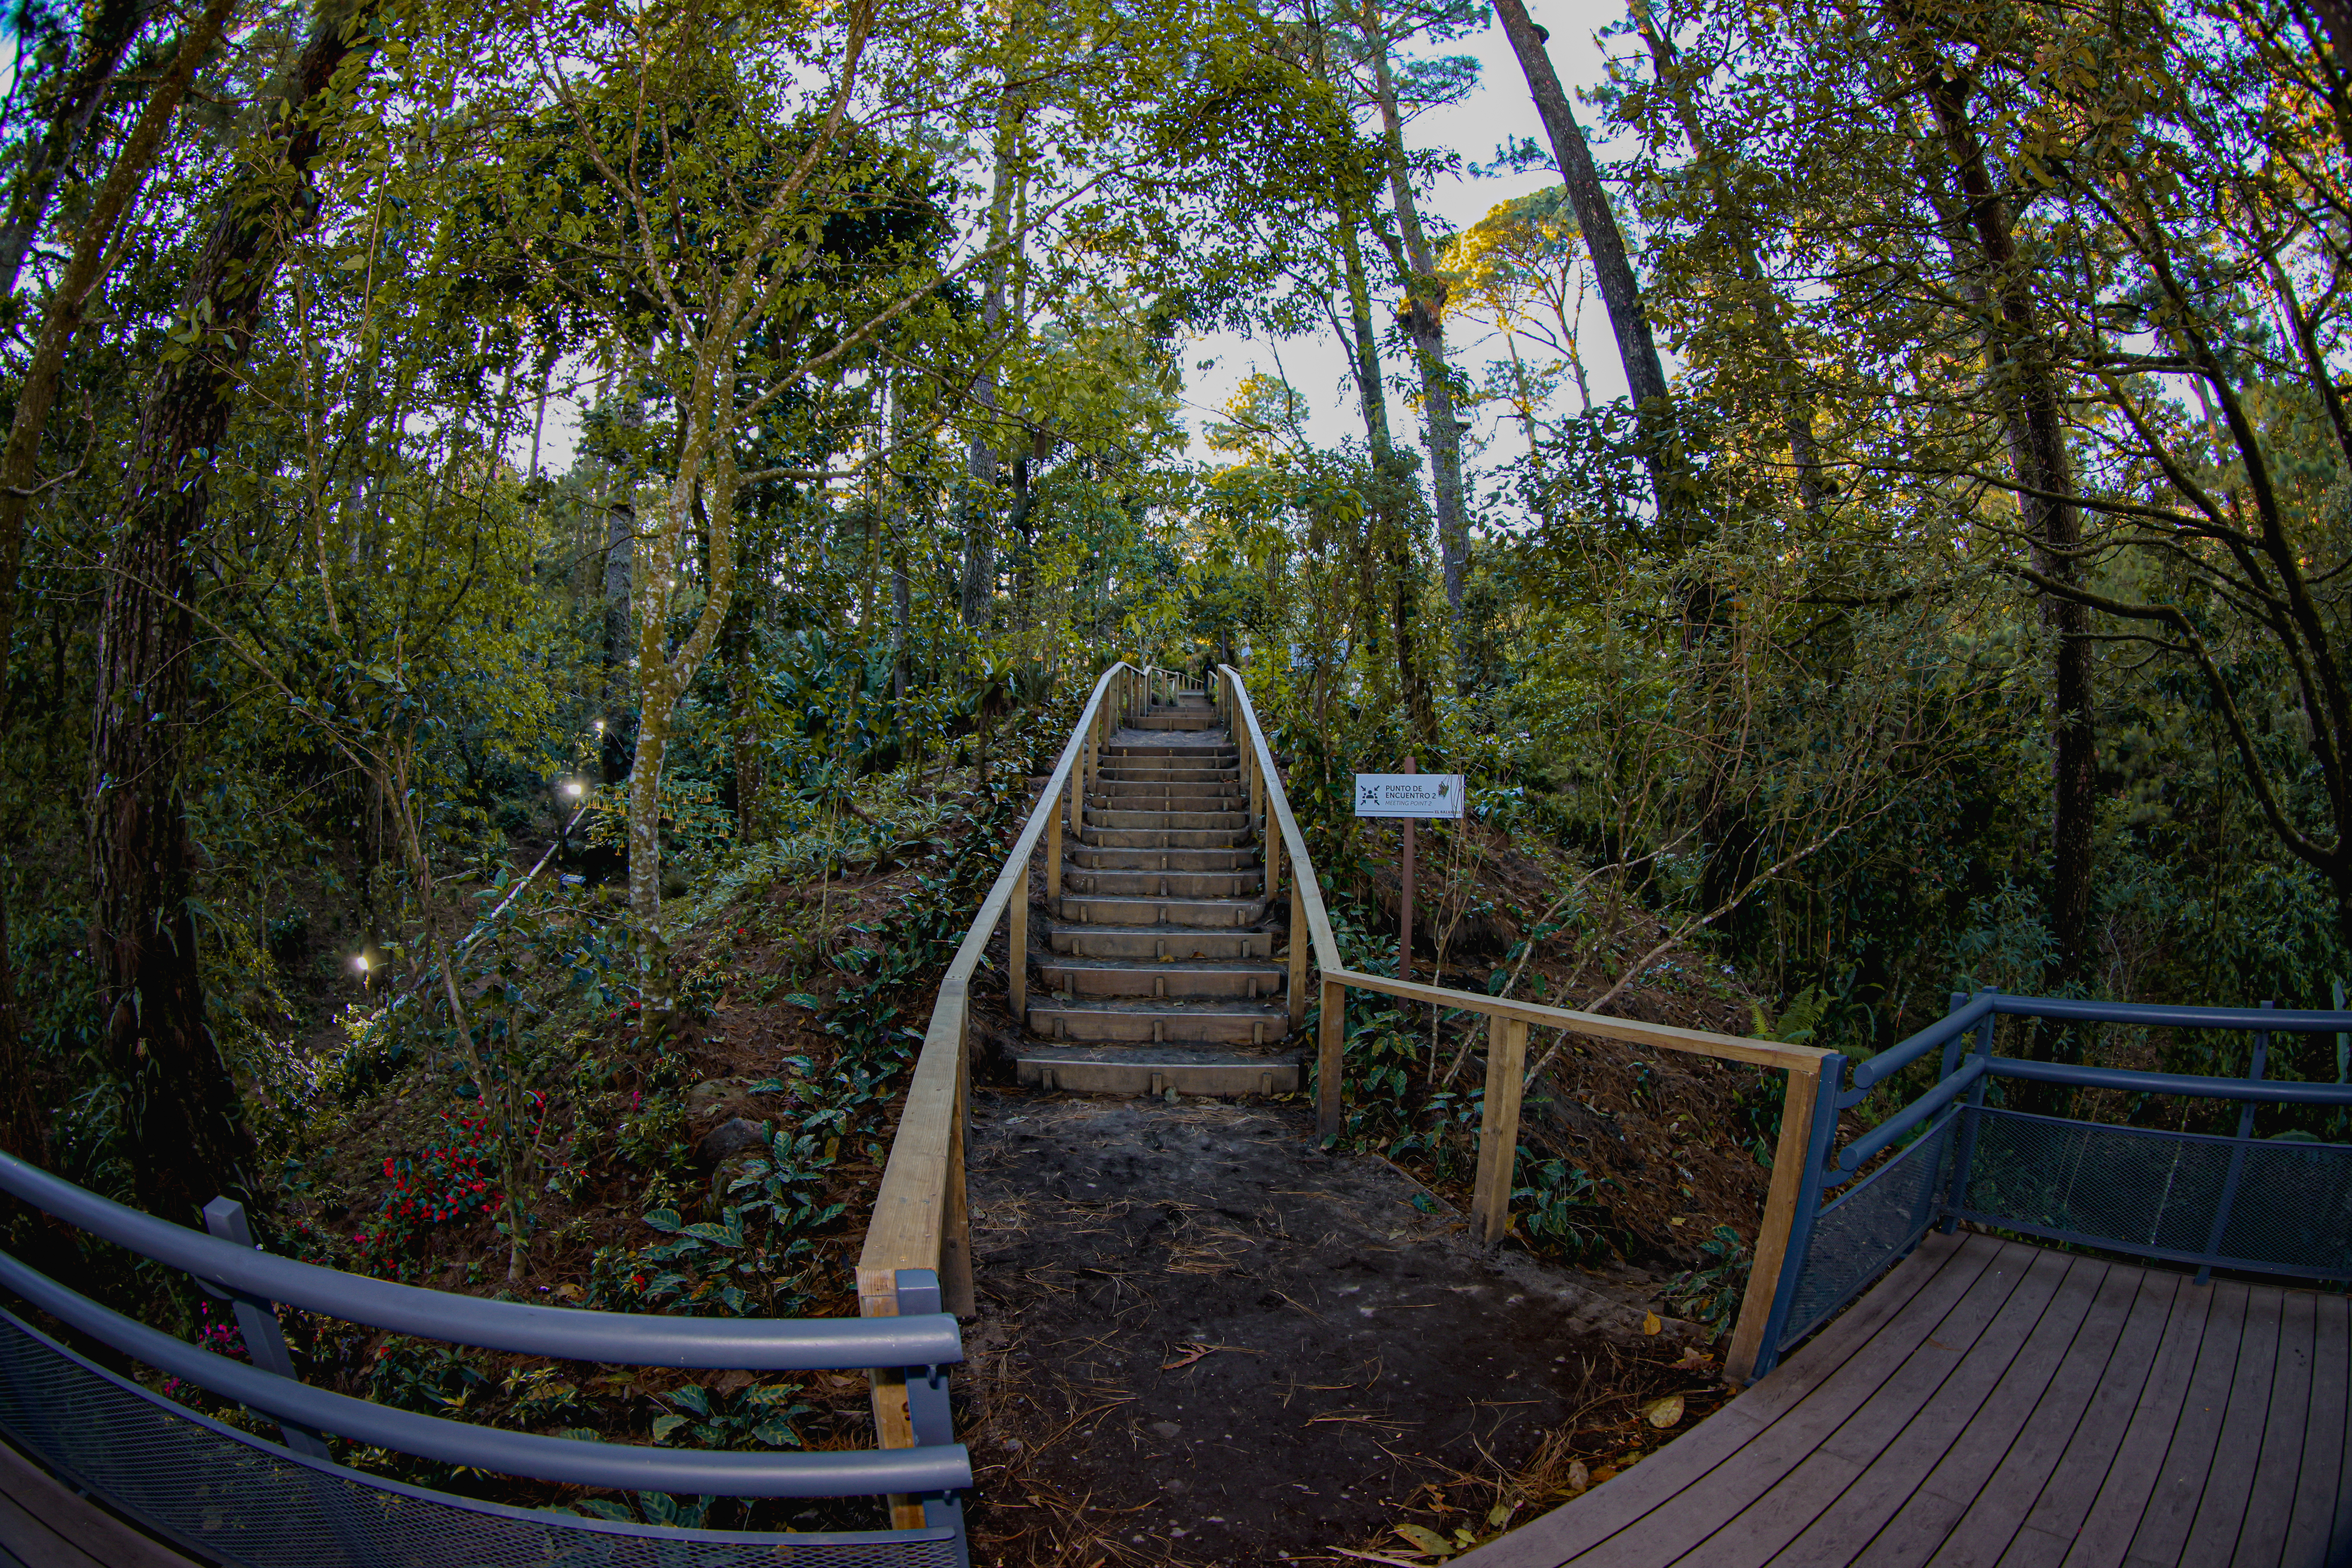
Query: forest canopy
658 441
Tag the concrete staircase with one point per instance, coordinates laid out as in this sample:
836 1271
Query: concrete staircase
1158 970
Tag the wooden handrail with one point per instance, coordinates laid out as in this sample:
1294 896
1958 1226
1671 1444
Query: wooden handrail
1508 1022
919 1219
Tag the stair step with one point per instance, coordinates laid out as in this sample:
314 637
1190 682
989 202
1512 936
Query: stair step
1154 1020
1155 1069
1109 908
1205 795
1151 884
1164 754
1127 773
1151 943
1094 835
1166 819
1087 857
1249 979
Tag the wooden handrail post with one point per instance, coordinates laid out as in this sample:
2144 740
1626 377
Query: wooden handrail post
1498 1128
1054 851
955 1231
1273 866
1300 939
1332 1039
1016 954
1771 1251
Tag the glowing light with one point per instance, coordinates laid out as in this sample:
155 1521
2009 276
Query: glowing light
573 789
360 964
600 726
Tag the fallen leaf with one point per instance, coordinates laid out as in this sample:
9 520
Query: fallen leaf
1694 1359
1580 1476
1427 1540
1500 1514
1652 1322
1663 1413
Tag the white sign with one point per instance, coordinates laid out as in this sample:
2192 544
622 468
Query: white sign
1409 795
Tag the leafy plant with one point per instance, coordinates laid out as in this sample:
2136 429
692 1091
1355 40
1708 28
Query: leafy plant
1711 1293
763 1414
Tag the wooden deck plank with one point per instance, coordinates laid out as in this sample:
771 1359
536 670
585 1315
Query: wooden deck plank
1754 1504
27 1543
2168 1449
1943 1265
1974 1501
47 1524
2093 1305
2127 1319
2213 1454
2037 1321
2007 1404
2065 1496
2101 1527
2339 1549
2261 1539
2313 1515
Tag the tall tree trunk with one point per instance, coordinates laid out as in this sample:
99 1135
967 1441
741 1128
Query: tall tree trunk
186 1136
20 1130
107 31
1424 319
1603 241
2046 487
1765 306
1392 542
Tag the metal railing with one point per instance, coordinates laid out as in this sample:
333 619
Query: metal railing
1508 1021
2270 1206
230 1496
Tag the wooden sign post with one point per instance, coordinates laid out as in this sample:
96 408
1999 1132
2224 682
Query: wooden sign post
1410 795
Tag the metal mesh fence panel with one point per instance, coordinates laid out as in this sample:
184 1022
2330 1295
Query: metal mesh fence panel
227 1497
2155 1193
1864 1231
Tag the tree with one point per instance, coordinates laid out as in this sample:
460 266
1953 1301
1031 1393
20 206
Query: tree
1612 268
189 1142
61 312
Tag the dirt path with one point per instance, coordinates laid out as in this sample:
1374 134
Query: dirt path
1203 1341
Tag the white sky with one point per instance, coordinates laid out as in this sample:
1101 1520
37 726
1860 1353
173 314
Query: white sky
1499 111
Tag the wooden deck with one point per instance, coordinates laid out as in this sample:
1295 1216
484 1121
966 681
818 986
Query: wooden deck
1991 1403
46 1524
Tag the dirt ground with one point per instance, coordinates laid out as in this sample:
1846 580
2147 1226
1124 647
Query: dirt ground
1202 1339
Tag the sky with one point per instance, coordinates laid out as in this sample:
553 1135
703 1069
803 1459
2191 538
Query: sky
1498 112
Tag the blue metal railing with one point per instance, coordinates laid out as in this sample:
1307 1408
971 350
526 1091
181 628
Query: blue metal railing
2267 1206
921 1344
